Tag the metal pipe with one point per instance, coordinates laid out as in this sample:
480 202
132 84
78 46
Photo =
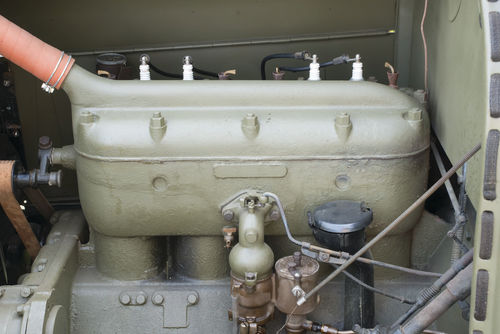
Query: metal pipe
375 262
457 289
285 223
449 187
322 37
391 226
458 206
428 293
375 290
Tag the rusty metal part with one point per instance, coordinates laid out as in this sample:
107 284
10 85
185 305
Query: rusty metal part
228 232
430 292
40 202
13 210
286 281
254 304
393 79
421 200
457 289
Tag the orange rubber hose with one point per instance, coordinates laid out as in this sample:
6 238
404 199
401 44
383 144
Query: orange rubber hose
32 54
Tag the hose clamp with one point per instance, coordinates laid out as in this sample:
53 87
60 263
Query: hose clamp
46 85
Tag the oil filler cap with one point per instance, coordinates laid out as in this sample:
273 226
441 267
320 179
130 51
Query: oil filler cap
342 216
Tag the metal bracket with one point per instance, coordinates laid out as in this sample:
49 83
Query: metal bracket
175 306
231 208
323 257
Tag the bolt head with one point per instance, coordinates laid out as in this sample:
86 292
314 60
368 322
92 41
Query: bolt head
86 117
157 299
44 142
141 299
192 299
250 120
343 120
26 292
125 299
228 215
157 121
415 114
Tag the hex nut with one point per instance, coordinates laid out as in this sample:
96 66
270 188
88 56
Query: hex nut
157 121
343 120
228 215
125 299
86 117
141 299
157 299
26 292
192 299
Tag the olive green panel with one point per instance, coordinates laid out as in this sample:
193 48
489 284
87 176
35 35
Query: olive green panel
457 81
97 24
486 283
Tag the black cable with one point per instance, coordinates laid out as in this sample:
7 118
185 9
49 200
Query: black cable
297 55
168 74
207 73
375 290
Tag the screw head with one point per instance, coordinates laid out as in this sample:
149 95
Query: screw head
323 257
125 299
157 299
141 299
228 215
192 299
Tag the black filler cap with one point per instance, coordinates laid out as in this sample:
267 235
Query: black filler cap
342 216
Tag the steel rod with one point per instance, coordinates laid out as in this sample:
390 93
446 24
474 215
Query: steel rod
375 262
323 37
449 187
392 225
